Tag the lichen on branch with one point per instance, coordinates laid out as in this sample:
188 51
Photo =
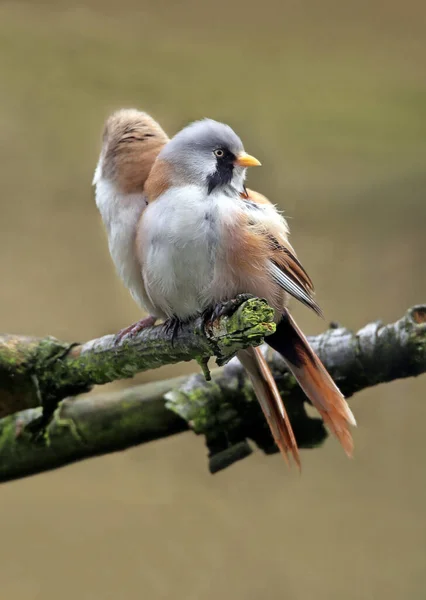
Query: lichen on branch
223 410
44 371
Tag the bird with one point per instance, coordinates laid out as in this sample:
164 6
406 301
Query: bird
186 234
131 141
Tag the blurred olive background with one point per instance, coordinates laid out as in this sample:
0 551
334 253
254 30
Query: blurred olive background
331 97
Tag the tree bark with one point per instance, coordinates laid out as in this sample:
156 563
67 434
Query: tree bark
223 409
36 372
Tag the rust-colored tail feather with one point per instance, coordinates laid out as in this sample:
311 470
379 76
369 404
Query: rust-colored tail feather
271 402
314 379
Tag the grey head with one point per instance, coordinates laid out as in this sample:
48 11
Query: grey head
208 153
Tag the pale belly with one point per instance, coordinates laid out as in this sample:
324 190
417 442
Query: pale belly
180 245
184 243
121 214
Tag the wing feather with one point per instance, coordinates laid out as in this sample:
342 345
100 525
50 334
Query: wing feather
284 266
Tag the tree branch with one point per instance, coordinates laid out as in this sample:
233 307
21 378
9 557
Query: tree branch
36 372
223 409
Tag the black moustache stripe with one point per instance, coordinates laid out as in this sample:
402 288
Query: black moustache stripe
223 173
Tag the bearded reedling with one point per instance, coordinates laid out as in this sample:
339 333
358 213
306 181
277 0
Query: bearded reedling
185 235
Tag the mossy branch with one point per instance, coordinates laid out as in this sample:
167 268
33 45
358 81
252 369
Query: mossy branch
222 409
44 371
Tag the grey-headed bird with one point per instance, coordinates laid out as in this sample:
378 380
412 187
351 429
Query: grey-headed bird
186 234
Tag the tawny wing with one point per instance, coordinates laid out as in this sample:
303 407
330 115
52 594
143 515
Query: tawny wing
288 339
284 266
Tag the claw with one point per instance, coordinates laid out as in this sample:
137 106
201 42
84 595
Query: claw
135 328
172 325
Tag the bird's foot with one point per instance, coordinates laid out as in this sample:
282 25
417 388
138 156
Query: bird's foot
172 325
135 328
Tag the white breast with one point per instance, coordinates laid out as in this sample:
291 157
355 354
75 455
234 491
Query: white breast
180 233
121 214
181 249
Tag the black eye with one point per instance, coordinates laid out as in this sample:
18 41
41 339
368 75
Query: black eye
219 153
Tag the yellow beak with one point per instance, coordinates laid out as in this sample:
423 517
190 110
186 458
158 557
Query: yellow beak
245 160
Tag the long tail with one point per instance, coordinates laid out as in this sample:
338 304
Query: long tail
270 400
313 378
